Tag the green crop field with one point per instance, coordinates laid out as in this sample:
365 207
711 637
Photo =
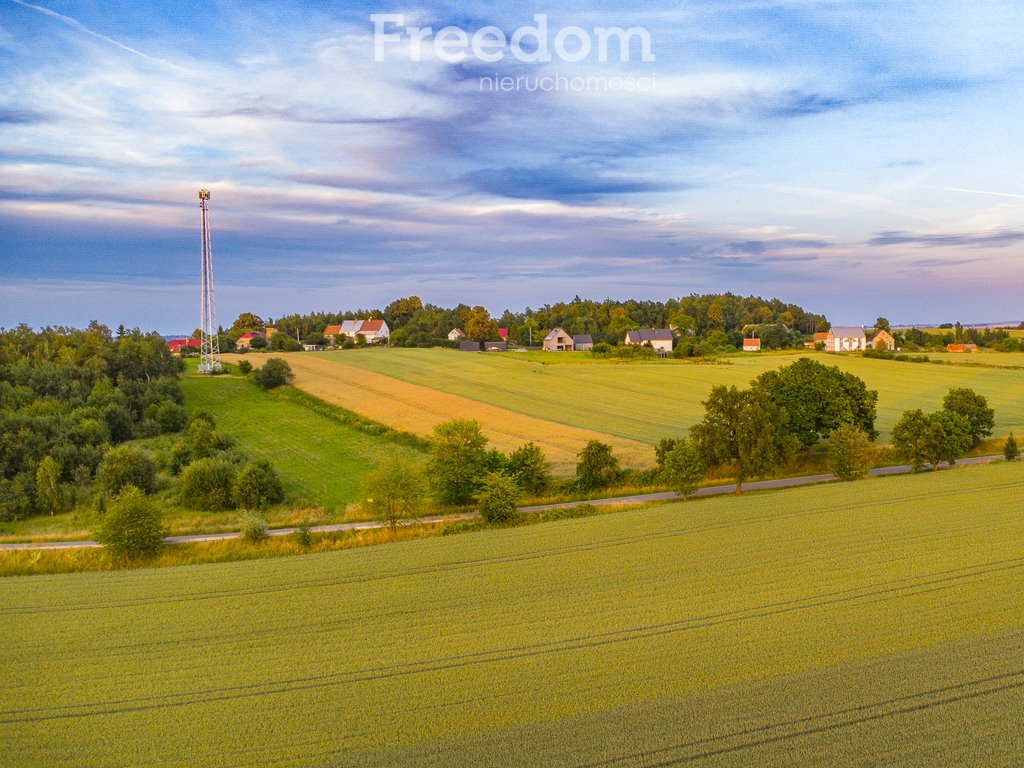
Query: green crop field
870 623
648 401
319 459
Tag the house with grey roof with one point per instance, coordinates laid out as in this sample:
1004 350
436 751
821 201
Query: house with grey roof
659 338
846 339
583 342
558 341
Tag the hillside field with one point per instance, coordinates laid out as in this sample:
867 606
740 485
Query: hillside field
640 402
870 623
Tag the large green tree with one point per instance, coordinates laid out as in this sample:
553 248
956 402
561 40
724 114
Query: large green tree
922 438
683 467
596 466
973 407
458 460
818 398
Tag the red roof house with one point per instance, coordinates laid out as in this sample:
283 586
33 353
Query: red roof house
176 345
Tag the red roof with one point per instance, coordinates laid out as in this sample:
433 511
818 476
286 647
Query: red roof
332 330
503 332
176 345
250 335
371 326
821 336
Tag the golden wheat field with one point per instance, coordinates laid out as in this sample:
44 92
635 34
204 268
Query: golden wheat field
416 408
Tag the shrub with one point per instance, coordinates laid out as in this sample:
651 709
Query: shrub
126 465
257 486
245 367
207 484
119 423
529 468
1010 450
850 452
394 490
253 527
169 415
131 528
597 466
497 497
275 373
304 536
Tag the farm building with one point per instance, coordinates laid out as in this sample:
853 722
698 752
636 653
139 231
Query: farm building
469 346
818 338
246 339
751 345
659 338
961 347
176 345
883 340
455 334
374 331
503 333
495 346
558 341
584 342
846 339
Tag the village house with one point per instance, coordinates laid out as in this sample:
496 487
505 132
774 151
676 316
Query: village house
751 345
846 339
961 347
246 339
558 341
883 340
374 331
659 338
177 345
455 334
584 342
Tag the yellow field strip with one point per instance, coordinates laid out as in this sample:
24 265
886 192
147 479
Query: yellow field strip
415 408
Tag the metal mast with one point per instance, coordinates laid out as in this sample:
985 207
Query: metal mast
209 345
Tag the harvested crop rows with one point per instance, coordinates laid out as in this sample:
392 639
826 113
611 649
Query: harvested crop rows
728 631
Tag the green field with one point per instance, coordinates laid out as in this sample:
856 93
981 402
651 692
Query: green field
649 401
868 623
319 459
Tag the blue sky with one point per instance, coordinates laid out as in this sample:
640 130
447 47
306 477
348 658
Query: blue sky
858 158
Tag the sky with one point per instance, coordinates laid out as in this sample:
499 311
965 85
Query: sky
857 158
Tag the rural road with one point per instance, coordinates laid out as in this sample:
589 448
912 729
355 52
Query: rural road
642 498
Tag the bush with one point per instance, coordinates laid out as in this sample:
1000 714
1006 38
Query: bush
131 528
119 423
529 468
257 486
304 536
394 491
208 484
245 367
126 465
253 527
274 373
170 416
850 452
497 497
1010 450
597 466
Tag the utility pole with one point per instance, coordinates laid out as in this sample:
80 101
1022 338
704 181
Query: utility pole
209 344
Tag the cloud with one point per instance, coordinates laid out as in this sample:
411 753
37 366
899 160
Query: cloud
556 184
971 240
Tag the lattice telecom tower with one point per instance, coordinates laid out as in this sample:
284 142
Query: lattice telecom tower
209 344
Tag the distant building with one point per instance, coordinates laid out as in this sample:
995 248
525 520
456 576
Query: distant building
883 340
503 333
583 343
495 346
846 339
751 345
469 346
270 331
177 345
455 334
374 331
659 338
558 341
246 339
961 347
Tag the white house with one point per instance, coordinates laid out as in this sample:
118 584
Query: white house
455 334
558 341
659 338
846 339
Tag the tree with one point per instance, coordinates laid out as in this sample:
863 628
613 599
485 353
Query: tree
973 407
132 527
458 459
257 486
529 468
49 494
275 373
497 498
596 467
394 491
247 322
850 452
746 428
922 438
818 398
683 467
207 484
244 367
882 324
661 450
126 465
480 326
910 438
1010 449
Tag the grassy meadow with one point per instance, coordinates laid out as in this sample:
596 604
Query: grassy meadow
640 402
868 623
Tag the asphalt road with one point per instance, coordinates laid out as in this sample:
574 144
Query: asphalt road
642 498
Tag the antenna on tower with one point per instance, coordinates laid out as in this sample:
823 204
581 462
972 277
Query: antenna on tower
209 343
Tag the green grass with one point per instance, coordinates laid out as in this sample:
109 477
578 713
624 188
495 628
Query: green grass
867 623
320 459
647 401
